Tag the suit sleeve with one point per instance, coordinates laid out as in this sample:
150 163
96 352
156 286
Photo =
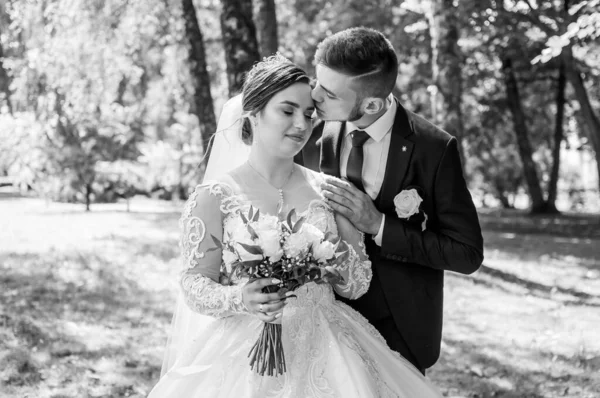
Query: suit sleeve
456 244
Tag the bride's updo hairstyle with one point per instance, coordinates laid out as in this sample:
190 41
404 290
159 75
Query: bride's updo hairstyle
263 81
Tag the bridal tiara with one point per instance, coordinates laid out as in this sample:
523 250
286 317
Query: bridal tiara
272 60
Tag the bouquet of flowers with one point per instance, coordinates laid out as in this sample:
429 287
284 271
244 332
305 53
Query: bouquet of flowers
291 250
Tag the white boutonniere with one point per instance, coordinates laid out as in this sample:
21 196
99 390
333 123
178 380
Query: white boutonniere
408 206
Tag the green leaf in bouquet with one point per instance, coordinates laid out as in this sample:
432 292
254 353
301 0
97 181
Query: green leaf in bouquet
298 225
212 249
216 241
256 215
251 213
252 232
299 272
341 257
290 218
314 273
244 219
250 263
252 249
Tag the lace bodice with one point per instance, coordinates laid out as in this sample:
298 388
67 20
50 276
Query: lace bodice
214 208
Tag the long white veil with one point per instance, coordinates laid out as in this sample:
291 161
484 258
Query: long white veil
228 152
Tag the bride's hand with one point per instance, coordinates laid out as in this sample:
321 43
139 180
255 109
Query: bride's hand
277 317
267 307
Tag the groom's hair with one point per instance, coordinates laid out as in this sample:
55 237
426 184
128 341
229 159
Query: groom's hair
266 78
364 54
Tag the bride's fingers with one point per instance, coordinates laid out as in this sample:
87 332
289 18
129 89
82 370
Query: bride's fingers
266 297
268 318
272 306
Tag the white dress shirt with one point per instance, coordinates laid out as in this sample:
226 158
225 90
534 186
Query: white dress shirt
375 151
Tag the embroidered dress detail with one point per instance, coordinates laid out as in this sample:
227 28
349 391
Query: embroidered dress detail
331 350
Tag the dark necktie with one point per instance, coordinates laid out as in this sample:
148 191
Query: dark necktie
356 158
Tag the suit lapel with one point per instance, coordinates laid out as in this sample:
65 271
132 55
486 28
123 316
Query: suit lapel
331 141
398 159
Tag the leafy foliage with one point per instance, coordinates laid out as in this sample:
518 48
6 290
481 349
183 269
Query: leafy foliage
98 83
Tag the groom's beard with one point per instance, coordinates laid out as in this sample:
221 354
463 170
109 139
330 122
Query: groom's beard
356 113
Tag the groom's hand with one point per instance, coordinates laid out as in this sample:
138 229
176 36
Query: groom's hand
352 203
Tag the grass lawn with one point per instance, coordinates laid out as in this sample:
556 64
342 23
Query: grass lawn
86 301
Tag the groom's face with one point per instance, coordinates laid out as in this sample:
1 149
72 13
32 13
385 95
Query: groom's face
334 98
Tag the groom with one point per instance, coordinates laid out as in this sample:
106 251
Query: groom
385 151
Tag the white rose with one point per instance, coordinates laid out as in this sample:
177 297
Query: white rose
295 245
407 203
266 223
238 230
312 233
247 256
324 251
229 257
269 241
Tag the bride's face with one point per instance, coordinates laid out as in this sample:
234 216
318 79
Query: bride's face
285 124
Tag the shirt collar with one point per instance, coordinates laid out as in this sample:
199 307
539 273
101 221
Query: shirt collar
378 129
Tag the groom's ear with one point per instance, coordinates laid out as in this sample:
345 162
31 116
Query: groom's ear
373 105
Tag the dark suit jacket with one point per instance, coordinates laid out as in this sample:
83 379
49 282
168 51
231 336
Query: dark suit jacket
409 266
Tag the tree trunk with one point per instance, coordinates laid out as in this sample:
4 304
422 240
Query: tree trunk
592 120
239 41
446 68
520 126
88 195
121 90
200 79
4 82
265 17
558 137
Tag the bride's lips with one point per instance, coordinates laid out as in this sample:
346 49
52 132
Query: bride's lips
295 137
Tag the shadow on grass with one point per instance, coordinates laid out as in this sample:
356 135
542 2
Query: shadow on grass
77 312
97 288
565 225
469 370
163 250
536 289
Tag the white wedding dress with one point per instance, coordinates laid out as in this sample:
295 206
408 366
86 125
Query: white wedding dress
330 349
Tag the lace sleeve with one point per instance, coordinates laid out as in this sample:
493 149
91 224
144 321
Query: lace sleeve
201 218
356 270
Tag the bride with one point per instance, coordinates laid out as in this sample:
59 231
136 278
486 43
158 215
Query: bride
330 349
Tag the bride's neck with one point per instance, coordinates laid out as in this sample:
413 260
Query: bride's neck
273 169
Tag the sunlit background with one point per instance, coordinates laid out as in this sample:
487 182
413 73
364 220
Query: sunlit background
106 108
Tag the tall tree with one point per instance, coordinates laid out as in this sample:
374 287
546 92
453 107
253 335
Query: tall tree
265 17
590 117
201 81
522 135
446 67
4 77
558 138
572 25
4 82
239 41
